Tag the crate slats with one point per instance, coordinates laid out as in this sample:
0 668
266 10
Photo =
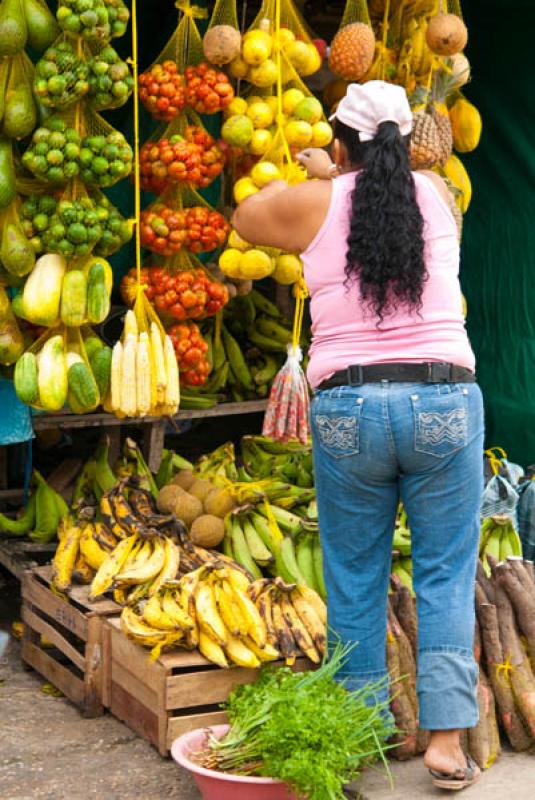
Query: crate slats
77 663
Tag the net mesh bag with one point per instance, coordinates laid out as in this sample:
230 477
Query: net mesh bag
182 218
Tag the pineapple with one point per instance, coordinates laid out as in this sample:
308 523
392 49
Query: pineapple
426 145
431 140
352 51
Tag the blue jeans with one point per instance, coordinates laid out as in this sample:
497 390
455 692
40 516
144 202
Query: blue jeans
375 445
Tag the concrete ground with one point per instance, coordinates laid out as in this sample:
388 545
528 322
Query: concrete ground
47 750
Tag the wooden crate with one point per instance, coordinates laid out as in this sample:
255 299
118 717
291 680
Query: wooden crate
77 662
177 693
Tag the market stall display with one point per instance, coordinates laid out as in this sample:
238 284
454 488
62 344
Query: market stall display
216 564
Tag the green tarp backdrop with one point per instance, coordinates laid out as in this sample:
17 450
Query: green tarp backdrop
498 253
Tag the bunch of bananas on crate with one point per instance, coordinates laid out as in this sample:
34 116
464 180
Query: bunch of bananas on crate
498 539
229 619
245 350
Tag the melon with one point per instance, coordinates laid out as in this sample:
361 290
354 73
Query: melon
446 34
221 44
352 51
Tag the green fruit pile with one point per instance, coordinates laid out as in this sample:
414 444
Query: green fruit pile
110 81
35 215
104 160
87 18
61 78
46 223
54 153
118 15
116 230
74 228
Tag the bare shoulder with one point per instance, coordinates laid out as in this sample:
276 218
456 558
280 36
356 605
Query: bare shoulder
439 183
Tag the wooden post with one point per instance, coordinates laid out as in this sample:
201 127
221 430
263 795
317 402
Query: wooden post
153 441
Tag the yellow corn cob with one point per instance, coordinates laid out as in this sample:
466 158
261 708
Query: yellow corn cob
172 389
143 375
128 378
130 325
116 376
158 364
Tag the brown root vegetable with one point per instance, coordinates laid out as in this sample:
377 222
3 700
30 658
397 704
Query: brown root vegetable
400 704
495 746
485 583
500 679
522 679
524 575
522 602
478 737
406 614
207 530
477 643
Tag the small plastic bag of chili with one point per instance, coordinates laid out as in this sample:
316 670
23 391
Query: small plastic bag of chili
181 218
180 287
287 414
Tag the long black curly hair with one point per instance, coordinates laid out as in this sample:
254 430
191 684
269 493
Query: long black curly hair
385 252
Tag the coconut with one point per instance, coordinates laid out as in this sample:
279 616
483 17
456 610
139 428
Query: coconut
185 478
219 502
187 508
221 44
167 497
446 34
201 488
460 69
207 531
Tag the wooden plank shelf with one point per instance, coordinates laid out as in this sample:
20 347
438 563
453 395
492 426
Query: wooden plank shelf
65 420
75 655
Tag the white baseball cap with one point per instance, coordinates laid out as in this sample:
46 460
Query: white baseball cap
365 106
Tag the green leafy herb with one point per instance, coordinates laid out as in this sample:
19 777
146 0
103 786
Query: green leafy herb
305 729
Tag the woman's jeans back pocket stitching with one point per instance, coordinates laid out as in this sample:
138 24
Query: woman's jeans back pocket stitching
338 434
439 428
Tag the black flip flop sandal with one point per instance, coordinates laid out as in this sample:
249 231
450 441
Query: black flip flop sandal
461 779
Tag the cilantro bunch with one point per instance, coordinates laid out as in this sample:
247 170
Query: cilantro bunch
305 729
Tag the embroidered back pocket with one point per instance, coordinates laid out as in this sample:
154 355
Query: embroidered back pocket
440 423
335 423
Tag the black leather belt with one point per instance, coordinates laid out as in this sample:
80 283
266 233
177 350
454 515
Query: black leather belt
428 372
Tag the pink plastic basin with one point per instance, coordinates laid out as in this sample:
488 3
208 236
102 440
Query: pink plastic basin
221 785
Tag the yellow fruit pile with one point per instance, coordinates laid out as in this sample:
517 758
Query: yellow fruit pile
250 122
257 62
243 261
231 620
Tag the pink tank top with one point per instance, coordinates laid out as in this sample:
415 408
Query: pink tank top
345 332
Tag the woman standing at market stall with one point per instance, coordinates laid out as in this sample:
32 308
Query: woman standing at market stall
396 413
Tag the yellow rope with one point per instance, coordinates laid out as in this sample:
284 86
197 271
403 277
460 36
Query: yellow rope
137 178
503 671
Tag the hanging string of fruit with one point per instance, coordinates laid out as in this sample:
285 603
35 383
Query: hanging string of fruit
418 45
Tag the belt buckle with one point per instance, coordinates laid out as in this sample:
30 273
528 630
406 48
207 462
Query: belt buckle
355 375
438 372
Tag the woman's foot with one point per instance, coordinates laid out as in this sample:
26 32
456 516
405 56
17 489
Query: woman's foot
448 765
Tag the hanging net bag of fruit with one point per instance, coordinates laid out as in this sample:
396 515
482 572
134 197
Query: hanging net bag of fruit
19 111
287 414
181 218
183 153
